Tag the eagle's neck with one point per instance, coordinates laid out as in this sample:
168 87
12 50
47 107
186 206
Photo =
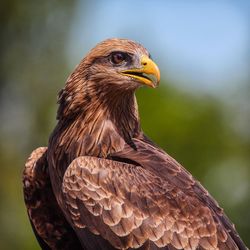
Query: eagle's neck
95 124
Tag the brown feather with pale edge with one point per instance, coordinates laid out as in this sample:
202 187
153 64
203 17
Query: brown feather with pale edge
114 187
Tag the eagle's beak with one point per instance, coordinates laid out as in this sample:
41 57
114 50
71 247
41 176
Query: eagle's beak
148 73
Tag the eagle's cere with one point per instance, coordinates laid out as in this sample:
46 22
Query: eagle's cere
101 183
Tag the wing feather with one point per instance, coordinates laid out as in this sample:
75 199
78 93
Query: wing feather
127 205
171 171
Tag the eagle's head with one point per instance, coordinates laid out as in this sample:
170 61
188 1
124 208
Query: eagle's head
113 69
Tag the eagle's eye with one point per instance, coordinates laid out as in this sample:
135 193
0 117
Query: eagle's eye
118 57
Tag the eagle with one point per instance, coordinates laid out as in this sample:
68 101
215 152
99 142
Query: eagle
101 183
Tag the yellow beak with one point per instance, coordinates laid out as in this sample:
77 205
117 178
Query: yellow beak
148 74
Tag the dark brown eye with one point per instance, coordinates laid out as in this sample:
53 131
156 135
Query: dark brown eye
118 57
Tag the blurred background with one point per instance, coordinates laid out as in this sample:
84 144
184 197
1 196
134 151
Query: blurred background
200 114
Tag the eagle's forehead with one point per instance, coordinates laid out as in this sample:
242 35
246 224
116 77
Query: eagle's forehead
117 44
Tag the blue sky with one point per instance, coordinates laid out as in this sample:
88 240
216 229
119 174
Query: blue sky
202 43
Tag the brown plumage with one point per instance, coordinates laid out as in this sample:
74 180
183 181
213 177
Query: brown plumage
101 183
